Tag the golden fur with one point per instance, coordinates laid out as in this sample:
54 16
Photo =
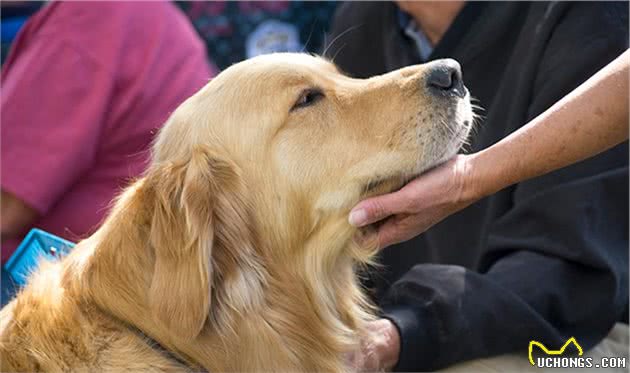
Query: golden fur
233 250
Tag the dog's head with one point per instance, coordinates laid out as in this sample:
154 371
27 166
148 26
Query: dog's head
262 166
304 136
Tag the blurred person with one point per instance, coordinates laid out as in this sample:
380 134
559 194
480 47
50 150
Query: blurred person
542 260
237 30
591 119
84 90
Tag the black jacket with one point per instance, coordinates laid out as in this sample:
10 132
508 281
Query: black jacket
545 259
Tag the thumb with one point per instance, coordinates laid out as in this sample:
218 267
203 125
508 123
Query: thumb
377 208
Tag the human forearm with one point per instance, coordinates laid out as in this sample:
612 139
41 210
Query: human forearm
15 217
553 264
589 120
498 313
448 314
379 348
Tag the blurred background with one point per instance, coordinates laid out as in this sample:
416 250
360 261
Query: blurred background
231 30
86 85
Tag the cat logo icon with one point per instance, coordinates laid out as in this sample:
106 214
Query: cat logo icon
553 352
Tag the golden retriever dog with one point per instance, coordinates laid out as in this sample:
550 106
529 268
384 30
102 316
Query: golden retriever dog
233 251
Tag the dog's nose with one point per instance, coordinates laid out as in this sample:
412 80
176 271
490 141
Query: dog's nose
445 76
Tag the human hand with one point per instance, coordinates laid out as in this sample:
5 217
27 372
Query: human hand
380 348
420 204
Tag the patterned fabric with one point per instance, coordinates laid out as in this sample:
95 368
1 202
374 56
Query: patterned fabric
234 31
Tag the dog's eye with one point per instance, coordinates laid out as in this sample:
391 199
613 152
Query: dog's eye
308 97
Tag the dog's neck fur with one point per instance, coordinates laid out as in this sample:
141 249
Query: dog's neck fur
287 320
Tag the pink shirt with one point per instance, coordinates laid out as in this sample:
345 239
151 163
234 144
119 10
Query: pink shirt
84 90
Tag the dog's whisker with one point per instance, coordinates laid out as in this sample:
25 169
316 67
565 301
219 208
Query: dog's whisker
308 39
339 36
338 51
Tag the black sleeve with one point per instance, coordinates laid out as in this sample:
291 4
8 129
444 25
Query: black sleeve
355 39
556 263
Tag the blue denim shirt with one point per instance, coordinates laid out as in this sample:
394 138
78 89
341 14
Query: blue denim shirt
410 28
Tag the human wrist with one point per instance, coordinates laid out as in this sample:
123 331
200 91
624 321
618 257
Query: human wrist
390 350
469 185
412 336
482 176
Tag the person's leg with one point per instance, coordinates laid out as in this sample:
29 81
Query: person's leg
614 345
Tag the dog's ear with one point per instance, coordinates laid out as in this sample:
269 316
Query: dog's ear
182 235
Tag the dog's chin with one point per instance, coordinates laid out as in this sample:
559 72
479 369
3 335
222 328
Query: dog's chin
450 150
463 119
451 146
395 182
391 183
